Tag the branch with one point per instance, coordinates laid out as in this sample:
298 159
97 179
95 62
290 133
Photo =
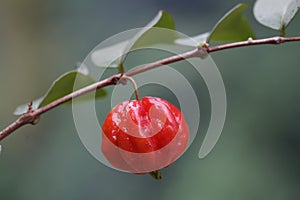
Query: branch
251 42
31 116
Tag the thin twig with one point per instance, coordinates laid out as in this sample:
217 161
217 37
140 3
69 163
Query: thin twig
31 116
251 42
165 61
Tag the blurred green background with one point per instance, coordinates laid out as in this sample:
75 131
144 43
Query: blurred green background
257 156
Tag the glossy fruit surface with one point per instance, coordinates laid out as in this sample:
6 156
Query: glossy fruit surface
144 135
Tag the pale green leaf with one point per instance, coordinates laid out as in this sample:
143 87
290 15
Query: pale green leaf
276 14
21 109
193 41
108 56
155 32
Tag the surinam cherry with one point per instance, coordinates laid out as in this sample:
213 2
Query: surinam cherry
144 135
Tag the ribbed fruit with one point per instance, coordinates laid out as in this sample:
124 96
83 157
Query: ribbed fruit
144 135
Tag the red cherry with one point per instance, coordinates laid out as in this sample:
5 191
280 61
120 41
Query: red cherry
144 135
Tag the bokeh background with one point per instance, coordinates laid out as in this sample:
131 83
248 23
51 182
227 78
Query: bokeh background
257 156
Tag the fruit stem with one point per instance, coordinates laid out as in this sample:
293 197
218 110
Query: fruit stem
156 174
136 91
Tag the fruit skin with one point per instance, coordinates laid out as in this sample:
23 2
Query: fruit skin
144 135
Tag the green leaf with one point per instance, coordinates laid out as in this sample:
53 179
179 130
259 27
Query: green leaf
233 26
276 14
64 85
155 32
